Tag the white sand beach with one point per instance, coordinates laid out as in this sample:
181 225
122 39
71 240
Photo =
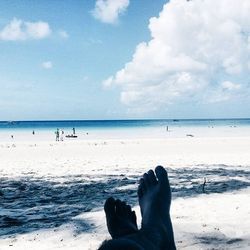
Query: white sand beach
52 192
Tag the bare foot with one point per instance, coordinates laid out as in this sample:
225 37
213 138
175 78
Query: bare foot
121 220
155 200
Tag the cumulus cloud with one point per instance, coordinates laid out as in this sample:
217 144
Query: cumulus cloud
108 11
47 65
198 50
18 29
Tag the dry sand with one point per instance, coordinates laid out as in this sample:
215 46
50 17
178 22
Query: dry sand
52 193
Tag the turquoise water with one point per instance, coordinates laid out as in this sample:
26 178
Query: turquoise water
120 124
124 129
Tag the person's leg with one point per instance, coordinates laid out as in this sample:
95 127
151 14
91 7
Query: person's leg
121 220
120 244
154 200
154 195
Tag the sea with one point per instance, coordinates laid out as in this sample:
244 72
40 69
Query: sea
120 129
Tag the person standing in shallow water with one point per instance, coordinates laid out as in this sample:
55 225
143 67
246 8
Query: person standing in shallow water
154 195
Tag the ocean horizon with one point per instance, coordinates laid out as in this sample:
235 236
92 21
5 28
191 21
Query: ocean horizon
19 124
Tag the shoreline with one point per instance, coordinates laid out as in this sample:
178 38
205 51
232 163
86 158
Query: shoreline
20 135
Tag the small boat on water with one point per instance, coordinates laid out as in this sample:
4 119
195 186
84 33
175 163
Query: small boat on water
71 136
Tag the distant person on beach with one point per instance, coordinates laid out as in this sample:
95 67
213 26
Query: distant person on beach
57 135
33 132
74 131
12 136
62 135
154 195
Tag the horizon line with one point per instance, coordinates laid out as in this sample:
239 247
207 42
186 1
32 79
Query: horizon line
132 119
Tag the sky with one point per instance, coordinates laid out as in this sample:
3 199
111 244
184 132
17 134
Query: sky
124 59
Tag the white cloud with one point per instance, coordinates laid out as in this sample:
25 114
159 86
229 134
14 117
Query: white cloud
197 47
225 91
108 11
17 29
230 86
47 65
63 34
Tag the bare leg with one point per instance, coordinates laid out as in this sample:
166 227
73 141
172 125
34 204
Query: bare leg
155 200
156 233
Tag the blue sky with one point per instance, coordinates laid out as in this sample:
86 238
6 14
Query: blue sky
107 59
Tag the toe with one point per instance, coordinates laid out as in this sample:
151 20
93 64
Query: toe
109 206
162 176
151 177
133 218
119 207
141 188
124 207
128 209
139 192
146 180
143 185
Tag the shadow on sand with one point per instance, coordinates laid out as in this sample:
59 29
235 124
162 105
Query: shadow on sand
30 203
218 241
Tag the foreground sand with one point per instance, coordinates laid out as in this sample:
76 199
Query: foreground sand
52 193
